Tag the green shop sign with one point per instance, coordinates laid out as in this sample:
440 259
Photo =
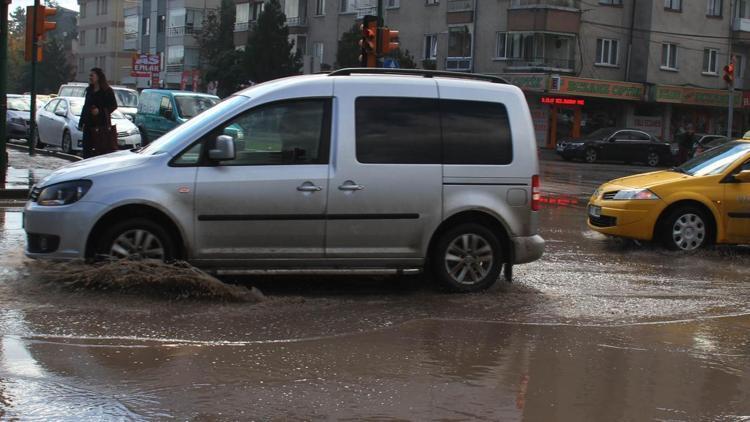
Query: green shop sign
527 81
601 88
694 96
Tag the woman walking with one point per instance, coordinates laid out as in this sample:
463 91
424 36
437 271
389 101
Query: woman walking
99 104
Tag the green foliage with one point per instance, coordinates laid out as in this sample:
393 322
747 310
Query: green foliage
268 54
221 62
348 51
404 58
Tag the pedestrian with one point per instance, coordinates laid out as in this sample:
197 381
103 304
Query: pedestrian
99 104
687 140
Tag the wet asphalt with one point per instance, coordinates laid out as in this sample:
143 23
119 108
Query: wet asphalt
598 329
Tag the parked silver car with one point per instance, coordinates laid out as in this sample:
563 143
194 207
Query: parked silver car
328 172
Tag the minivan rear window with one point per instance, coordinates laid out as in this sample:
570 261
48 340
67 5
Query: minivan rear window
396 130
475 132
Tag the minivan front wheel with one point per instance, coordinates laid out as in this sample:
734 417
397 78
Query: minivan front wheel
137 238
467 258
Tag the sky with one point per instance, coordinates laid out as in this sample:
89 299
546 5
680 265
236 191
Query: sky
68 4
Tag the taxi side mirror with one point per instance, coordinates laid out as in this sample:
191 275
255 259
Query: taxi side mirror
743 176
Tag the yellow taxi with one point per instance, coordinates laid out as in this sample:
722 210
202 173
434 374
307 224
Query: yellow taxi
704 201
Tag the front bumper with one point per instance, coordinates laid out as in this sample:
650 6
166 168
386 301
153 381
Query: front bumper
632 219
69 224
527 249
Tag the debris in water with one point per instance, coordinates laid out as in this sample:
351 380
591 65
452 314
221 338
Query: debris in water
178 280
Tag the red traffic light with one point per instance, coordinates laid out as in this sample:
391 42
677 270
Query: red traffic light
388 40
729 73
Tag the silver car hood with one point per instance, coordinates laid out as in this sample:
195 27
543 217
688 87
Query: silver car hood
17 113
91 167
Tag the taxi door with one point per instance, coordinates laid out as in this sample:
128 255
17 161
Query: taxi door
737 208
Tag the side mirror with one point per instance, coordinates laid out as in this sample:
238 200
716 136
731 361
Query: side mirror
61 113
743 176
223 149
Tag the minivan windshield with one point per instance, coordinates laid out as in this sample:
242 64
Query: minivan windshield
715 161
177 136
189 106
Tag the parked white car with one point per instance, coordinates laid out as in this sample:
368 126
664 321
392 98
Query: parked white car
127 99
57 124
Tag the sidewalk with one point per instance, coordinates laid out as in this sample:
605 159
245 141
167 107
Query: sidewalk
24 171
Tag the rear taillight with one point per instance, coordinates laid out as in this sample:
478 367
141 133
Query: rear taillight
536 193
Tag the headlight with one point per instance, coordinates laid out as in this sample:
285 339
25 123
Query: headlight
596 193
64 193
133 131
627 194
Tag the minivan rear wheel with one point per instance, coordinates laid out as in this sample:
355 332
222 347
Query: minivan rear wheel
137 238
467 258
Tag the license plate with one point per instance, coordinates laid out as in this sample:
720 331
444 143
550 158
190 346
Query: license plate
595 211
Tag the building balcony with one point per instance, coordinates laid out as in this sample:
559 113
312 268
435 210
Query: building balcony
460 5
179 31
298 21
171 68
540 64
540 15
741 30
243 26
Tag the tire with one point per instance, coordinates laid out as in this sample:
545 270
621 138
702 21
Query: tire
118 240
471 244
144 136
590 156
652 159
686 228
39 144
67 143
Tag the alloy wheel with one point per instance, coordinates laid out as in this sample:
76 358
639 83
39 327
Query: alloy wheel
137 243
590 156
652 159
469 258
689 232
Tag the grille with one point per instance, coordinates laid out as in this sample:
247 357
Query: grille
603 221
34 193
609 195
122 134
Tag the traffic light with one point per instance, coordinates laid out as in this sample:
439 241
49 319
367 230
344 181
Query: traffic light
42 27
729 73
368 42
388 40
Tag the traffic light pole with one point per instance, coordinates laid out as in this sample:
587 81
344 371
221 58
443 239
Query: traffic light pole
379 35
3 88
35 46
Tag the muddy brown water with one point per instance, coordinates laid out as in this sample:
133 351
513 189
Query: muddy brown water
596 330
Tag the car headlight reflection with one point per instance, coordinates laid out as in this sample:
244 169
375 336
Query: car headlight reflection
628 194
64 193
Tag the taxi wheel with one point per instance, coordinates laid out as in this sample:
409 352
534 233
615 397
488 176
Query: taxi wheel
686 229
591 155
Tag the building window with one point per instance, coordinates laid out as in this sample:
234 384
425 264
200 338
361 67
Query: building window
320 7
101 7
512 45
82 38
101 62
130 30
392 3
430 47
611 2
606 51
257 10
710 61
161 24
348 6
175 54
669 56
675 5
300 45
291 9
318 51
459 41
146 30
714 8
83 10
101 35
431 2
243 13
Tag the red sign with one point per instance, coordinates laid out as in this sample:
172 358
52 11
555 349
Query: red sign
562 101
144 65
154 80
196 79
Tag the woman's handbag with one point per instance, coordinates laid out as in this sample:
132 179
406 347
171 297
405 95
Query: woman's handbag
104 138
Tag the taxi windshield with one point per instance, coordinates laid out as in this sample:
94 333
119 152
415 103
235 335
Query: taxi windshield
715 161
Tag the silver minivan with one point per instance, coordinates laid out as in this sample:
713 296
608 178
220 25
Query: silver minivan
357 170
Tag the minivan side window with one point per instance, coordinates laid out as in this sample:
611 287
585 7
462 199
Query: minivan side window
475 132
397 130
281 133
165 105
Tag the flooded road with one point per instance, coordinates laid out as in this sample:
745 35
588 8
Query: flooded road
599 329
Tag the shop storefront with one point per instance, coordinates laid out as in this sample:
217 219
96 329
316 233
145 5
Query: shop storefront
534 86
703 109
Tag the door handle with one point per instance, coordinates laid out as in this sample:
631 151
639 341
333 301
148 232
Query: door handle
309 187
350 186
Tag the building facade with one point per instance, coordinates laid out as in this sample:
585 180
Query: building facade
100 38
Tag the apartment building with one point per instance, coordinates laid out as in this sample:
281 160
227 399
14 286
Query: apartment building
166 28
655 65
100 38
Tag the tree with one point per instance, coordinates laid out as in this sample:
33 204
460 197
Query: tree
49 78
348 51
221 62
404 58
269 52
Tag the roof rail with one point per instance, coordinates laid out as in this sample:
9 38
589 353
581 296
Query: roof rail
417 72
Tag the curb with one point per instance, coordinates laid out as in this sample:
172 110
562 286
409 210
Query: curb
56 154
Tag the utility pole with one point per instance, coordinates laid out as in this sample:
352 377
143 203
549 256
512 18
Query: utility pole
730 111
4 36
379 35
35 47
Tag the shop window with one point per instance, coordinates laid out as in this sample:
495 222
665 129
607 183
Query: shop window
673 5
607 51
714 8
669 56
710 61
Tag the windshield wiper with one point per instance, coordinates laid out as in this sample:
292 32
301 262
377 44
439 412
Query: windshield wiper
679 170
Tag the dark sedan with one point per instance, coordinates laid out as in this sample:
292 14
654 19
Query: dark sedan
612 144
